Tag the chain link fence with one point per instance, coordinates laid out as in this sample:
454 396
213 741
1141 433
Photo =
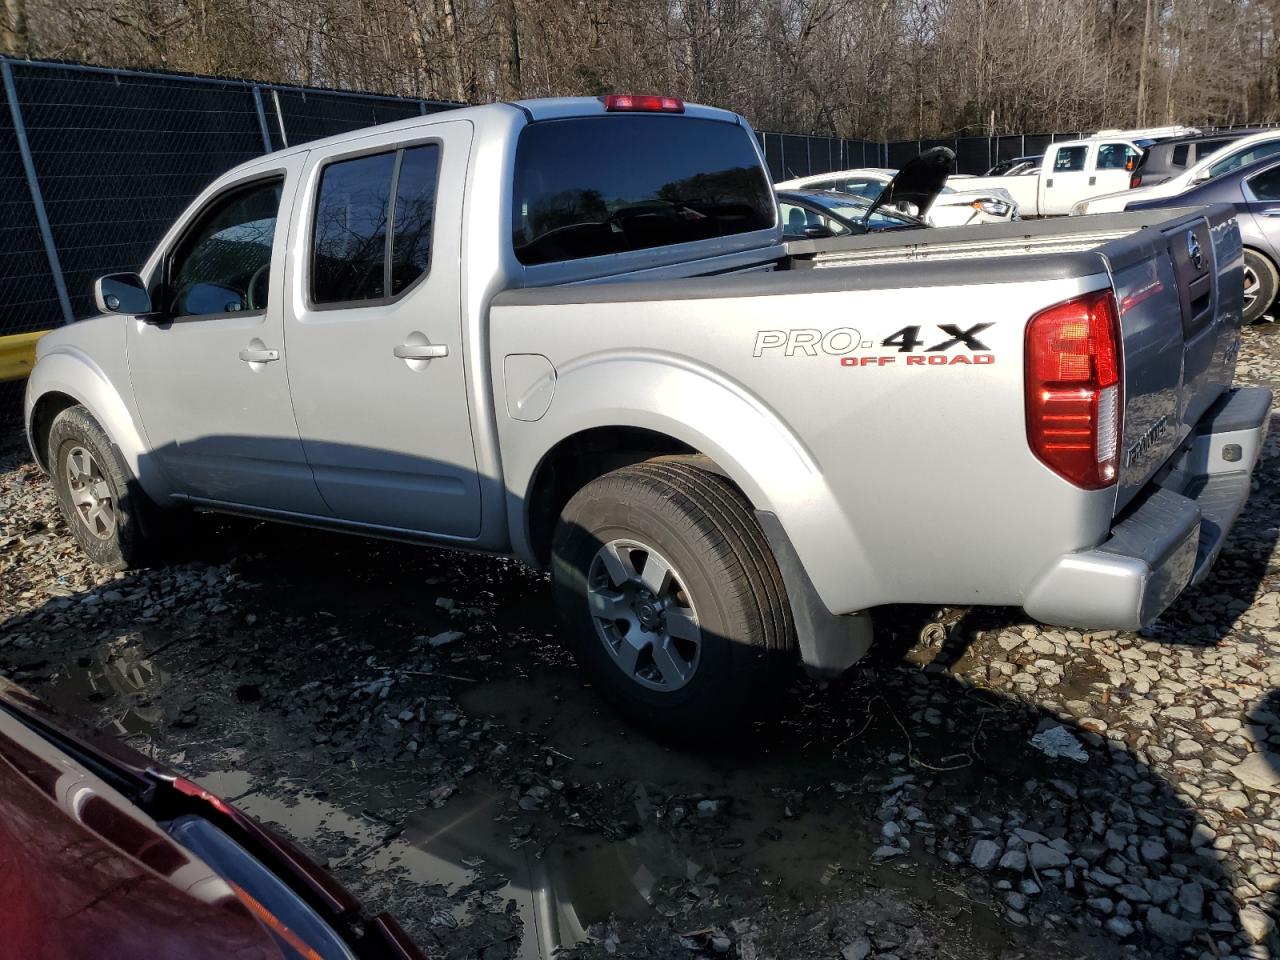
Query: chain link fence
95 164
796 155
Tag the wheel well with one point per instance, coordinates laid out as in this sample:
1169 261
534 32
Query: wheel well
577 460
46 410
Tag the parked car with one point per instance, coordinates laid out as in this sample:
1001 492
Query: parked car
1254 191
1016 166
1071 171
951 207
1168 158
109 854
817 214
581 340
1231 156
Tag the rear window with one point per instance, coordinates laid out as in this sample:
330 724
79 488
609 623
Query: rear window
597 185
1180 155
1208 147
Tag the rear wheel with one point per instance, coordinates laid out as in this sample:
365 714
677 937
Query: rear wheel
1261 285
671 599
97 494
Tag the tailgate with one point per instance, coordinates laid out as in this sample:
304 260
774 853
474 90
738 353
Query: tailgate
1179 289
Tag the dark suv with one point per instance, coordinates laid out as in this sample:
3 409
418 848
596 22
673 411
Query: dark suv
1168 158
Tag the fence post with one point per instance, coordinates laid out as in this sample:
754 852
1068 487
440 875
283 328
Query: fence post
262 119
37 198
275 101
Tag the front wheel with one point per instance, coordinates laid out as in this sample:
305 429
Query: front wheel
97 494
671 599
1261 285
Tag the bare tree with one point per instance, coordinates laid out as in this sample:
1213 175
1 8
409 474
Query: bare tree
874 68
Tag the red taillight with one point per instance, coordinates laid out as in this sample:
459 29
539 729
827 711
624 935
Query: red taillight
643 103
183 785
1073 389
1135 181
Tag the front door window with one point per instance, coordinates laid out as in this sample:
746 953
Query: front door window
223 264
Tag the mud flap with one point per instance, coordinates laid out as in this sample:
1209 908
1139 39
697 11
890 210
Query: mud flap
829 643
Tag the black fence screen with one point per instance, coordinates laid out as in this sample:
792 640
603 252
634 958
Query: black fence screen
28 297
119 157
791 155
305 115
109 158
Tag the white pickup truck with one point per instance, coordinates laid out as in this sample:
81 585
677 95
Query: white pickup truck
1071 171
569 331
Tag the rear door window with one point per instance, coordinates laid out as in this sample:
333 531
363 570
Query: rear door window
414 216
590 186
364 250
1070 159
1266 185
1180 154
350 252
1208 147
1116 156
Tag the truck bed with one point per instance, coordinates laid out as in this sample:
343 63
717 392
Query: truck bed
1019 238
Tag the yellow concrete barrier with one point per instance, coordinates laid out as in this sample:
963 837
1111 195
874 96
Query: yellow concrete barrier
18 354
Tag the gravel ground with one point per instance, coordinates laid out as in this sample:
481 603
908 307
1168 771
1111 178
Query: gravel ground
980 787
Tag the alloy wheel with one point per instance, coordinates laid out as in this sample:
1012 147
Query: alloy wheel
643 615
90 493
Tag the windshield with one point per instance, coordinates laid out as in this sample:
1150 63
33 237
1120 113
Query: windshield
855 209
590 186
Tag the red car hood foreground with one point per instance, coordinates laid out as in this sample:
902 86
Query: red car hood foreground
87 869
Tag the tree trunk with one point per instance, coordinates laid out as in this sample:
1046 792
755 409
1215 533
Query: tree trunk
13 28
1143 60
513 88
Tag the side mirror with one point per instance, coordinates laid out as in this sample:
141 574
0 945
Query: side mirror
909 208
817 231
1200 177
122 293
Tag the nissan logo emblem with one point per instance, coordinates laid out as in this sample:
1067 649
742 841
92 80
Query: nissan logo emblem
1194 251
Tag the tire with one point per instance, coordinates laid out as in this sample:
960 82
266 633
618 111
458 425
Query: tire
97 494
710 647
1262 285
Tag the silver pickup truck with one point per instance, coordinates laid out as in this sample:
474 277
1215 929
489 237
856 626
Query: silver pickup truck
569 331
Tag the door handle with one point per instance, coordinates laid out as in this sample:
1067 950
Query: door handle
259 356
1093 181
1273 212
424 351
1048 183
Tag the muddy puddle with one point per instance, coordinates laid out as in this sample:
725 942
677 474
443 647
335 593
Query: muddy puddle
693 828
119 672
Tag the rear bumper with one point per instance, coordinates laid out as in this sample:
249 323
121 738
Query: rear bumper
1169 538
